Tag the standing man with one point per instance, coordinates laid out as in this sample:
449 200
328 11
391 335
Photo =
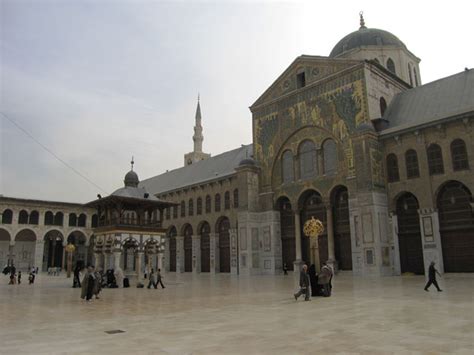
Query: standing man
19 277
304 284
432 277
152 279
324 279
158 279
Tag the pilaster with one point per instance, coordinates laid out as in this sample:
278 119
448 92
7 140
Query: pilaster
196 253
179 254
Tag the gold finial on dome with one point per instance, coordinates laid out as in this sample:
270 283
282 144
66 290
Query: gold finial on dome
362 22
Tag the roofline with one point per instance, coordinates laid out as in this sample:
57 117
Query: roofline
446 119
373 45
389 73
43 202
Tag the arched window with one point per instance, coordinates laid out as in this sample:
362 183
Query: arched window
48 218
72 220
409 74
58 219
330 156
392 168
183 209
81 222
175 211
391 65
236 198
416 76
7 217
208 204
287 168
168 213
308 160
191 207
199 206
383 106
435 159
227 200
34 217
411 162
459 155
95 221
217 203
23 217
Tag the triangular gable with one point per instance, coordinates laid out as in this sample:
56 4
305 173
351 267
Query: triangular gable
314 67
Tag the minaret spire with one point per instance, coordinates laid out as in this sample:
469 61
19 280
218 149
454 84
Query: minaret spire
197 153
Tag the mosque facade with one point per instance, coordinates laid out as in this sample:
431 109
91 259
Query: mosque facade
353 139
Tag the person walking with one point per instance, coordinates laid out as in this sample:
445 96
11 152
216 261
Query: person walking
432 277
324 279
152 279
88 283
19 277
285 269
31 278
304 284
158 279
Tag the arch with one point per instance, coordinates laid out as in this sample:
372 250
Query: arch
183 209
435 159
222 228
392 168
129 249
172 233
341 227
59 219
391 66
459 155
204 230
23 217
208 204
53 249
287 228
329 156
188 247
4 247
308 161
24 249
287 167
217 203
95 221
409 234
191 207
199 206
175 212
78 239
456 223
227 200
34 218
81 222
7 216
312 205
411 163
383 106
25 235
72 220
48 218
236 198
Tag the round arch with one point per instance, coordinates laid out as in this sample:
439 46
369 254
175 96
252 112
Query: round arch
24 249
456 223
223 230
53 249
79 240
129 249
409 233
5 240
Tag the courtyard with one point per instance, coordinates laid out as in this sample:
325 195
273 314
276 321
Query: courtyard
222 314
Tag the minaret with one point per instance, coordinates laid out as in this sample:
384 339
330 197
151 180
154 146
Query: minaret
197 154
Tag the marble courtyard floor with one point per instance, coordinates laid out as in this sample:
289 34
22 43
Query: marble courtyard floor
222 314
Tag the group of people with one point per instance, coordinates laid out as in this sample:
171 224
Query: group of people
15 277
155 278
313 284
91 283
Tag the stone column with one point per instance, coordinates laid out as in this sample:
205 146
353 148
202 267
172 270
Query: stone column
160 262
39 252
297 263
396 247
330 232
233 251
117 256
53 254
63 263
138 267
196 253
212 253
11 254
179 254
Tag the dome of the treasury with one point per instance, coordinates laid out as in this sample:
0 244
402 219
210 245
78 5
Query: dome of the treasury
365 37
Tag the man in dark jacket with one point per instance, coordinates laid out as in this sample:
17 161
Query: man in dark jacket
432 277
304 284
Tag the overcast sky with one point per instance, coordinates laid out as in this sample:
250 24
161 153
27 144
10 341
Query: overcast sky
99 81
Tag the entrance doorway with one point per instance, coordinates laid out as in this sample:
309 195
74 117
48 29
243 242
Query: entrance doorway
223 227
188 248
205 247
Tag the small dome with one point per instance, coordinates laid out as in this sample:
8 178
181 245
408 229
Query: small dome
131 179
365 126
247 161
365 37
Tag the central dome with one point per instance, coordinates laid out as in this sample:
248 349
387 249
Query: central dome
131 179
365 37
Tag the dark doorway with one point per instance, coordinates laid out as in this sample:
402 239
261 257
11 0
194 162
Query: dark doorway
287 227
409 235
188 249
224 244
342 232
53 247
172 237
313 206
205 247
456 219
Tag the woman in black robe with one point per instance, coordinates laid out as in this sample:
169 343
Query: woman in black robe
314 280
